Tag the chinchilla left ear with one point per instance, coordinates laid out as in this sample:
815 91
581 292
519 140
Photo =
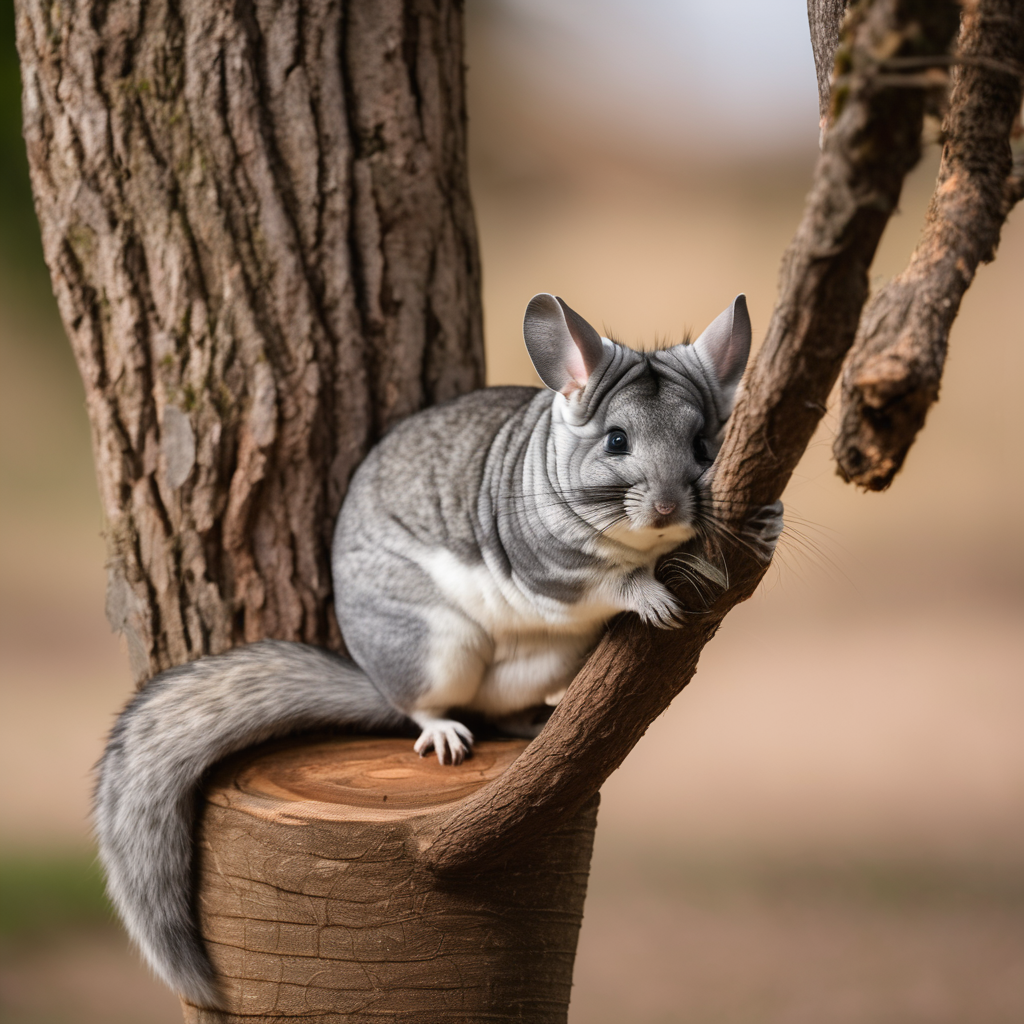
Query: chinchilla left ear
564 348
723 349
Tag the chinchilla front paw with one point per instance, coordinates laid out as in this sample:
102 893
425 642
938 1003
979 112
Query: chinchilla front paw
763 530
654 603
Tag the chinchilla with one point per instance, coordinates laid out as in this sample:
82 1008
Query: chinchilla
481 549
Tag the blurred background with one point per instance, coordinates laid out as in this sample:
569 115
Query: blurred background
828 825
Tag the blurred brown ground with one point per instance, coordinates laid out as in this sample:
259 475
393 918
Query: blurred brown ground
828 825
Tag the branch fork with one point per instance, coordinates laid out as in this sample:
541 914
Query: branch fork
636 670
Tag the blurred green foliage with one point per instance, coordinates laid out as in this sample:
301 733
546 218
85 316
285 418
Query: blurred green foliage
44 893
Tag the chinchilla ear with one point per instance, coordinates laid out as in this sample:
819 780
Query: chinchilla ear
564 348
724 347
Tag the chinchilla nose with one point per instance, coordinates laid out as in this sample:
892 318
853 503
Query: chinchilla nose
665 508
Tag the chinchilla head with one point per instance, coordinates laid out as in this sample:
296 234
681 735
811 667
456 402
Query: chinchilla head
635 433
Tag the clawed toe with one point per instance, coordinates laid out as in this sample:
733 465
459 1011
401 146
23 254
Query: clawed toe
451 741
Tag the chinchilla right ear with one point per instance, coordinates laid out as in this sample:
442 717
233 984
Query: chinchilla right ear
564 348
723 350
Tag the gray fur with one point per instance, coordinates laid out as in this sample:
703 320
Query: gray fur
184 721
481 549
563 347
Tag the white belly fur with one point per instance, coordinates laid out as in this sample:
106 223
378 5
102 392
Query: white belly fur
653 541
530 646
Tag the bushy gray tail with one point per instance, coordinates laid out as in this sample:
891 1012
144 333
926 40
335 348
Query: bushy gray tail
184 721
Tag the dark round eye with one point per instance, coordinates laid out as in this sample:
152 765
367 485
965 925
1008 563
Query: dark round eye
700 450
616 442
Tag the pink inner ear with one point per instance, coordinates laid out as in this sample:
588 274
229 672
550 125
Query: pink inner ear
577 371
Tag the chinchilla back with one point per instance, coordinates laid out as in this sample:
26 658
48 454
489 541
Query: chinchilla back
425 475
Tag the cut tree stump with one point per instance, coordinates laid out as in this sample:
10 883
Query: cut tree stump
315 904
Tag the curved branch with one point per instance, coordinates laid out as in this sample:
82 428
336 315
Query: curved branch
636 671
895 368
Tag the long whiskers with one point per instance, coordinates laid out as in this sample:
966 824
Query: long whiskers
714 530
700 574
797 538
602 508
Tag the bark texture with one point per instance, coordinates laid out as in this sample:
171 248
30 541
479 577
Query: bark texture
893 374
257 220
636 671
315 905
824 18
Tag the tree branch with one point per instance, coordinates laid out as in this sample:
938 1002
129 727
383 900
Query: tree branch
824 18
636 671
895 368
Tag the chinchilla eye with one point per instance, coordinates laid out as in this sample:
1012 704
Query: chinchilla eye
616 443
700 450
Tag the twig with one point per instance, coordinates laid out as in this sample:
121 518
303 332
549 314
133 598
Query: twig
891 73
953 60
824 18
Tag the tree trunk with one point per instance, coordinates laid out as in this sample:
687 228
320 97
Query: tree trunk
315 903
257 221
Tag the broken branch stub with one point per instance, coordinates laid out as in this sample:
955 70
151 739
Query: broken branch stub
894 370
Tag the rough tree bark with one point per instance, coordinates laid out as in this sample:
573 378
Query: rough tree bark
824 17
895 368
258 228
258 225
314 906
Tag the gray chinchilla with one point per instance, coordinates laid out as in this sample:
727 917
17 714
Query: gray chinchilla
482 547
